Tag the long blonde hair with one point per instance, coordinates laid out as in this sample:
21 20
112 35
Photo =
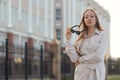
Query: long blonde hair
84 27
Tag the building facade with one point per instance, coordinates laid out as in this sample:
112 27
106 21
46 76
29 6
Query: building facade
23 21
27 18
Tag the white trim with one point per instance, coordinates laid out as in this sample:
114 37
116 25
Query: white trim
73 12
64 18
69 13
9 13
37 24
30 17
52 19
19 10
46 19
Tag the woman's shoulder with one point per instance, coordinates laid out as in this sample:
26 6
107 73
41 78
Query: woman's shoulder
103 32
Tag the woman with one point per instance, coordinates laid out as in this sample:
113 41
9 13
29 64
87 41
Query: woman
89 48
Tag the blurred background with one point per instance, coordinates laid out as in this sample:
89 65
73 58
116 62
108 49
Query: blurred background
32 40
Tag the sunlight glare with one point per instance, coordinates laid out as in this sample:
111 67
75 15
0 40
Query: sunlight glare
114 25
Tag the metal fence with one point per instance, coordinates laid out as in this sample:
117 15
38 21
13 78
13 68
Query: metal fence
24 63
113 66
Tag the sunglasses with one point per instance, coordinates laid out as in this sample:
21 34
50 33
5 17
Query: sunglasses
74 31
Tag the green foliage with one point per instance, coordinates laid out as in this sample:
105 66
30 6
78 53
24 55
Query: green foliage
114 77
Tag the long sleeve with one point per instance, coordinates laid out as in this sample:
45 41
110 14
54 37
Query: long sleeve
70 51
99 54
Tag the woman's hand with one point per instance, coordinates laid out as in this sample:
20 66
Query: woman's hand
77 63
68 33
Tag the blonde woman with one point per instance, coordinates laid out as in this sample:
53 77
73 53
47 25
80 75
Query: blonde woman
89 49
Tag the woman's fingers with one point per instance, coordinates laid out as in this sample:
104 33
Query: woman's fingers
77 63
68 33
68 30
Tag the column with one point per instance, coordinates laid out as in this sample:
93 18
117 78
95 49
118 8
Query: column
20 10
9 13
64 18
30 16
46 20
38 13
74 12
52 19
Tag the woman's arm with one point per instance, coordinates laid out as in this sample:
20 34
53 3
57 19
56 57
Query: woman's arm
99 54
71 52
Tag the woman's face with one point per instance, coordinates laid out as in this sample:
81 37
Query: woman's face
90 19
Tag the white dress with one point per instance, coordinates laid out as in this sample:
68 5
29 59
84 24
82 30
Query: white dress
93 49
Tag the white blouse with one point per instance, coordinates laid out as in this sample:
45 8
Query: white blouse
93 50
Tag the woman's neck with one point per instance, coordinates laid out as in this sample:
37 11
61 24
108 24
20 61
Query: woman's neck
90 31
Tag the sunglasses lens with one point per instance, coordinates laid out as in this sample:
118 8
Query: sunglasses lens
77 32
77 26
72 30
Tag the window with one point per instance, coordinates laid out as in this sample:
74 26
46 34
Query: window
2 38
13 15
16 41
34 2
58 34
36 45
24 18
23 41
16 14
41 23
5 12
34 21
58 14
41 3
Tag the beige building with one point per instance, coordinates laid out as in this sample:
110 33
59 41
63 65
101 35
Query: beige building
30 21
27 18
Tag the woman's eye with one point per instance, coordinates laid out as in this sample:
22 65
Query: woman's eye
92 16
86 17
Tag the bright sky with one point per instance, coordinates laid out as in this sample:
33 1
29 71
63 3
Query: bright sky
113 7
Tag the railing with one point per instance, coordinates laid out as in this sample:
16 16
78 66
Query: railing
24 63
